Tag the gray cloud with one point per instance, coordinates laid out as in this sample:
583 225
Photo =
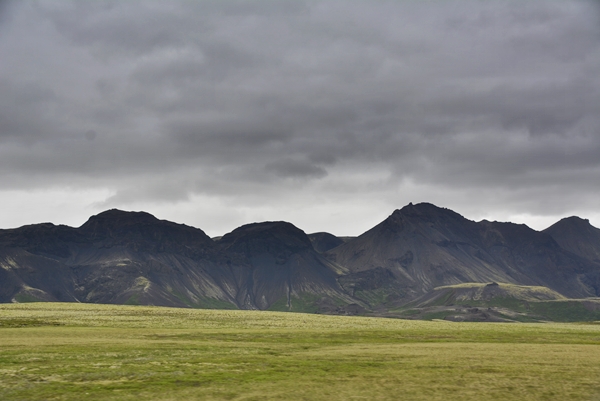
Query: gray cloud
473 105
296 169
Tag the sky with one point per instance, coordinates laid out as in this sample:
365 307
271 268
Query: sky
327 114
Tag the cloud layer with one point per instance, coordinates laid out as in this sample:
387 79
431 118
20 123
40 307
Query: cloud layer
326 113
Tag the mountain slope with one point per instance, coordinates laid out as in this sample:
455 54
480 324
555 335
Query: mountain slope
423 247
273 265
323 242
115 257
578 236
135 258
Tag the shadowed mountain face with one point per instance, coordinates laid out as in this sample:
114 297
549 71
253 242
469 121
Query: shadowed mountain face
423 246
279 268
323 242
578 236
115 257
134 258
141 231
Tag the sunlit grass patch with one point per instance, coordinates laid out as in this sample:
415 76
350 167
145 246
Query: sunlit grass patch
134 352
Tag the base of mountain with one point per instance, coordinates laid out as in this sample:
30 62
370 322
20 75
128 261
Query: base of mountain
467 302
497 302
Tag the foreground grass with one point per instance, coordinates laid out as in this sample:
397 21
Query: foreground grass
83 351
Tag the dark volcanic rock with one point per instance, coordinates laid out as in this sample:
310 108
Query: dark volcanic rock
425 247
140 231
115 257
42 239
578 236
133 257
279 239
273 263
323 242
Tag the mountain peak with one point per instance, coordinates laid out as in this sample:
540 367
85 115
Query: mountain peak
275 233
122 215
423 207
574 220
118 218
143 231
571 224
577 235
425 211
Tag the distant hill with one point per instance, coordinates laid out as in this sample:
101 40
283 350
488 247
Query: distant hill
323 242
419 255
499 302
485 292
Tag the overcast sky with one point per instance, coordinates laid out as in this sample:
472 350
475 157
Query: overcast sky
327 114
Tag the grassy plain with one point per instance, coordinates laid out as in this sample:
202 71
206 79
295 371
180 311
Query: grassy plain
51 351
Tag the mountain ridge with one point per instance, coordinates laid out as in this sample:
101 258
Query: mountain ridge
425 246
133 257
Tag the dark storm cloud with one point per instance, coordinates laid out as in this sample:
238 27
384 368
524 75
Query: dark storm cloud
159 101
18 104
296 169
108 26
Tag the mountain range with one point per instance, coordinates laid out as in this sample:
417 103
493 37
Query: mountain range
423 261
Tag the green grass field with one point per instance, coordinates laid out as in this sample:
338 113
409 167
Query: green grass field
51 351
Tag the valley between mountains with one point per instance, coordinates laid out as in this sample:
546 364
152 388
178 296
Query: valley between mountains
422 262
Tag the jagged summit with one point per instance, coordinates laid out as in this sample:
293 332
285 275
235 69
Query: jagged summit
577 235
424 246
419 217
572 221
572 226
424 210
